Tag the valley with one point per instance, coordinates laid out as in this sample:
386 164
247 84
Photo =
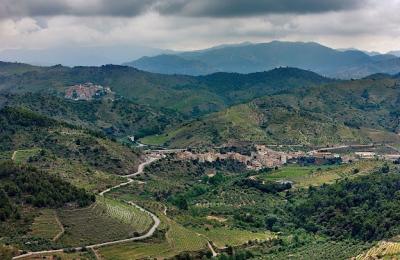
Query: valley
199 130
284 163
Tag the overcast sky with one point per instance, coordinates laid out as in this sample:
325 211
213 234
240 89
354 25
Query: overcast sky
195 24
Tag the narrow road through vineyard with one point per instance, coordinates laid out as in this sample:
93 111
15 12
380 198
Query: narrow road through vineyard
148 234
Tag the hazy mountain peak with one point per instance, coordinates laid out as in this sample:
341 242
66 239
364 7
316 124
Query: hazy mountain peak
255 57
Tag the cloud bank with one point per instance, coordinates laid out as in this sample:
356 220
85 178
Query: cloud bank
194 24
190 8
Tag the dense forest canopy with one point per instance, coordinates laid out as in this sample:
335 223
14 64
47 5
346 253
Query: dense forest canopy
24 184
365 208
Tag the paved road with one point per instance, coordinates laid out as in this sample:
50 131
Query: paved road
148 234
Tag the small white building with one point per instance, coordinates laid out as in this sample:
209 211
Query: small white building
365 155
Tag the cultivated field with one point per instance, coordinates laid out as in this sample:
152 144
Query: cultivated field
222 237
102 222
177 239
46 225
383 250
304 176
125 213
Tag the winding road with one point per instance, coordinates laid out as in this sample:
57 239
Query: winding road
148 234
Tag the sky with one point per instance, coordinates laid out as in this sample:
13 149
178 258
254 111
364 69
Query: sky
372 25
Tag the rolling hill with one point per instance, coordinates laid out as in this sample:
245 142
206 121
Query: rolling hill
51 142
118 118
248 58
357 111
189 95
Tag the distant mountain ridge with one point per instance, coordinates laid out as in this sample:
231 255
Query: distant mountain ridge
248 58
395 53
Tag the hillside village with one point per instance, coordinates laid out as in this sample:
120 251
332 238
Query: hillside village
265 157
86 91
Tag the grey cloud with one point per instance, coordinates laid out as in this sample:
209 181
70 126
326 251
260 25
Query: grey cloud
189 8
238 8
35 8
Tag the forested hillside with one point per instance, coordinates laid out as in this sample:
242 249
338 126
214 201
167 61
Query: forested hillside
359 111
190 95
116 118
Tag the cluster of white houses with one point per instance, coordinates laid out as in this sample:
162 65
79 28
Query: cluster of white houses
264 157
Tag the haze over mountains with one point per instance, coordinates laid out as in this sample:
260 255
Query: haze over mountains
248 57
245 57
78 56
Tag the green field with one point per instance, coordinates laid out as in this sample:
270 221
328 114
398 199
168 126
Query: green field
222 236
304 176
45 225
156 139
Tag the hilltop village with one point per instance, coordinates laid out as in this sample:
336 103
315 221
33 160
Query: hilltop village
86 91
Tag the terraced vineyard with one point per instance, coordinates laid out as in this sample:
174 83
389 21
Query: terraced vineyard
87 226
183 239
177 239
125 213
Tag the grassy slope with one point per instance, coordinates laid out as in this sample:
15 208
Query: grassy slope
83 159
359 111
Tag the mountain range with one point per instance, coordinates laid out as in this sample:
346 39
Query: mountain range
248 58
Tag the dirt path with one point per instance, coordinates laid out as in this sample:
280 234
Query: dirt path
61 227
148 234
96 254
214 254
139 171
13 155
